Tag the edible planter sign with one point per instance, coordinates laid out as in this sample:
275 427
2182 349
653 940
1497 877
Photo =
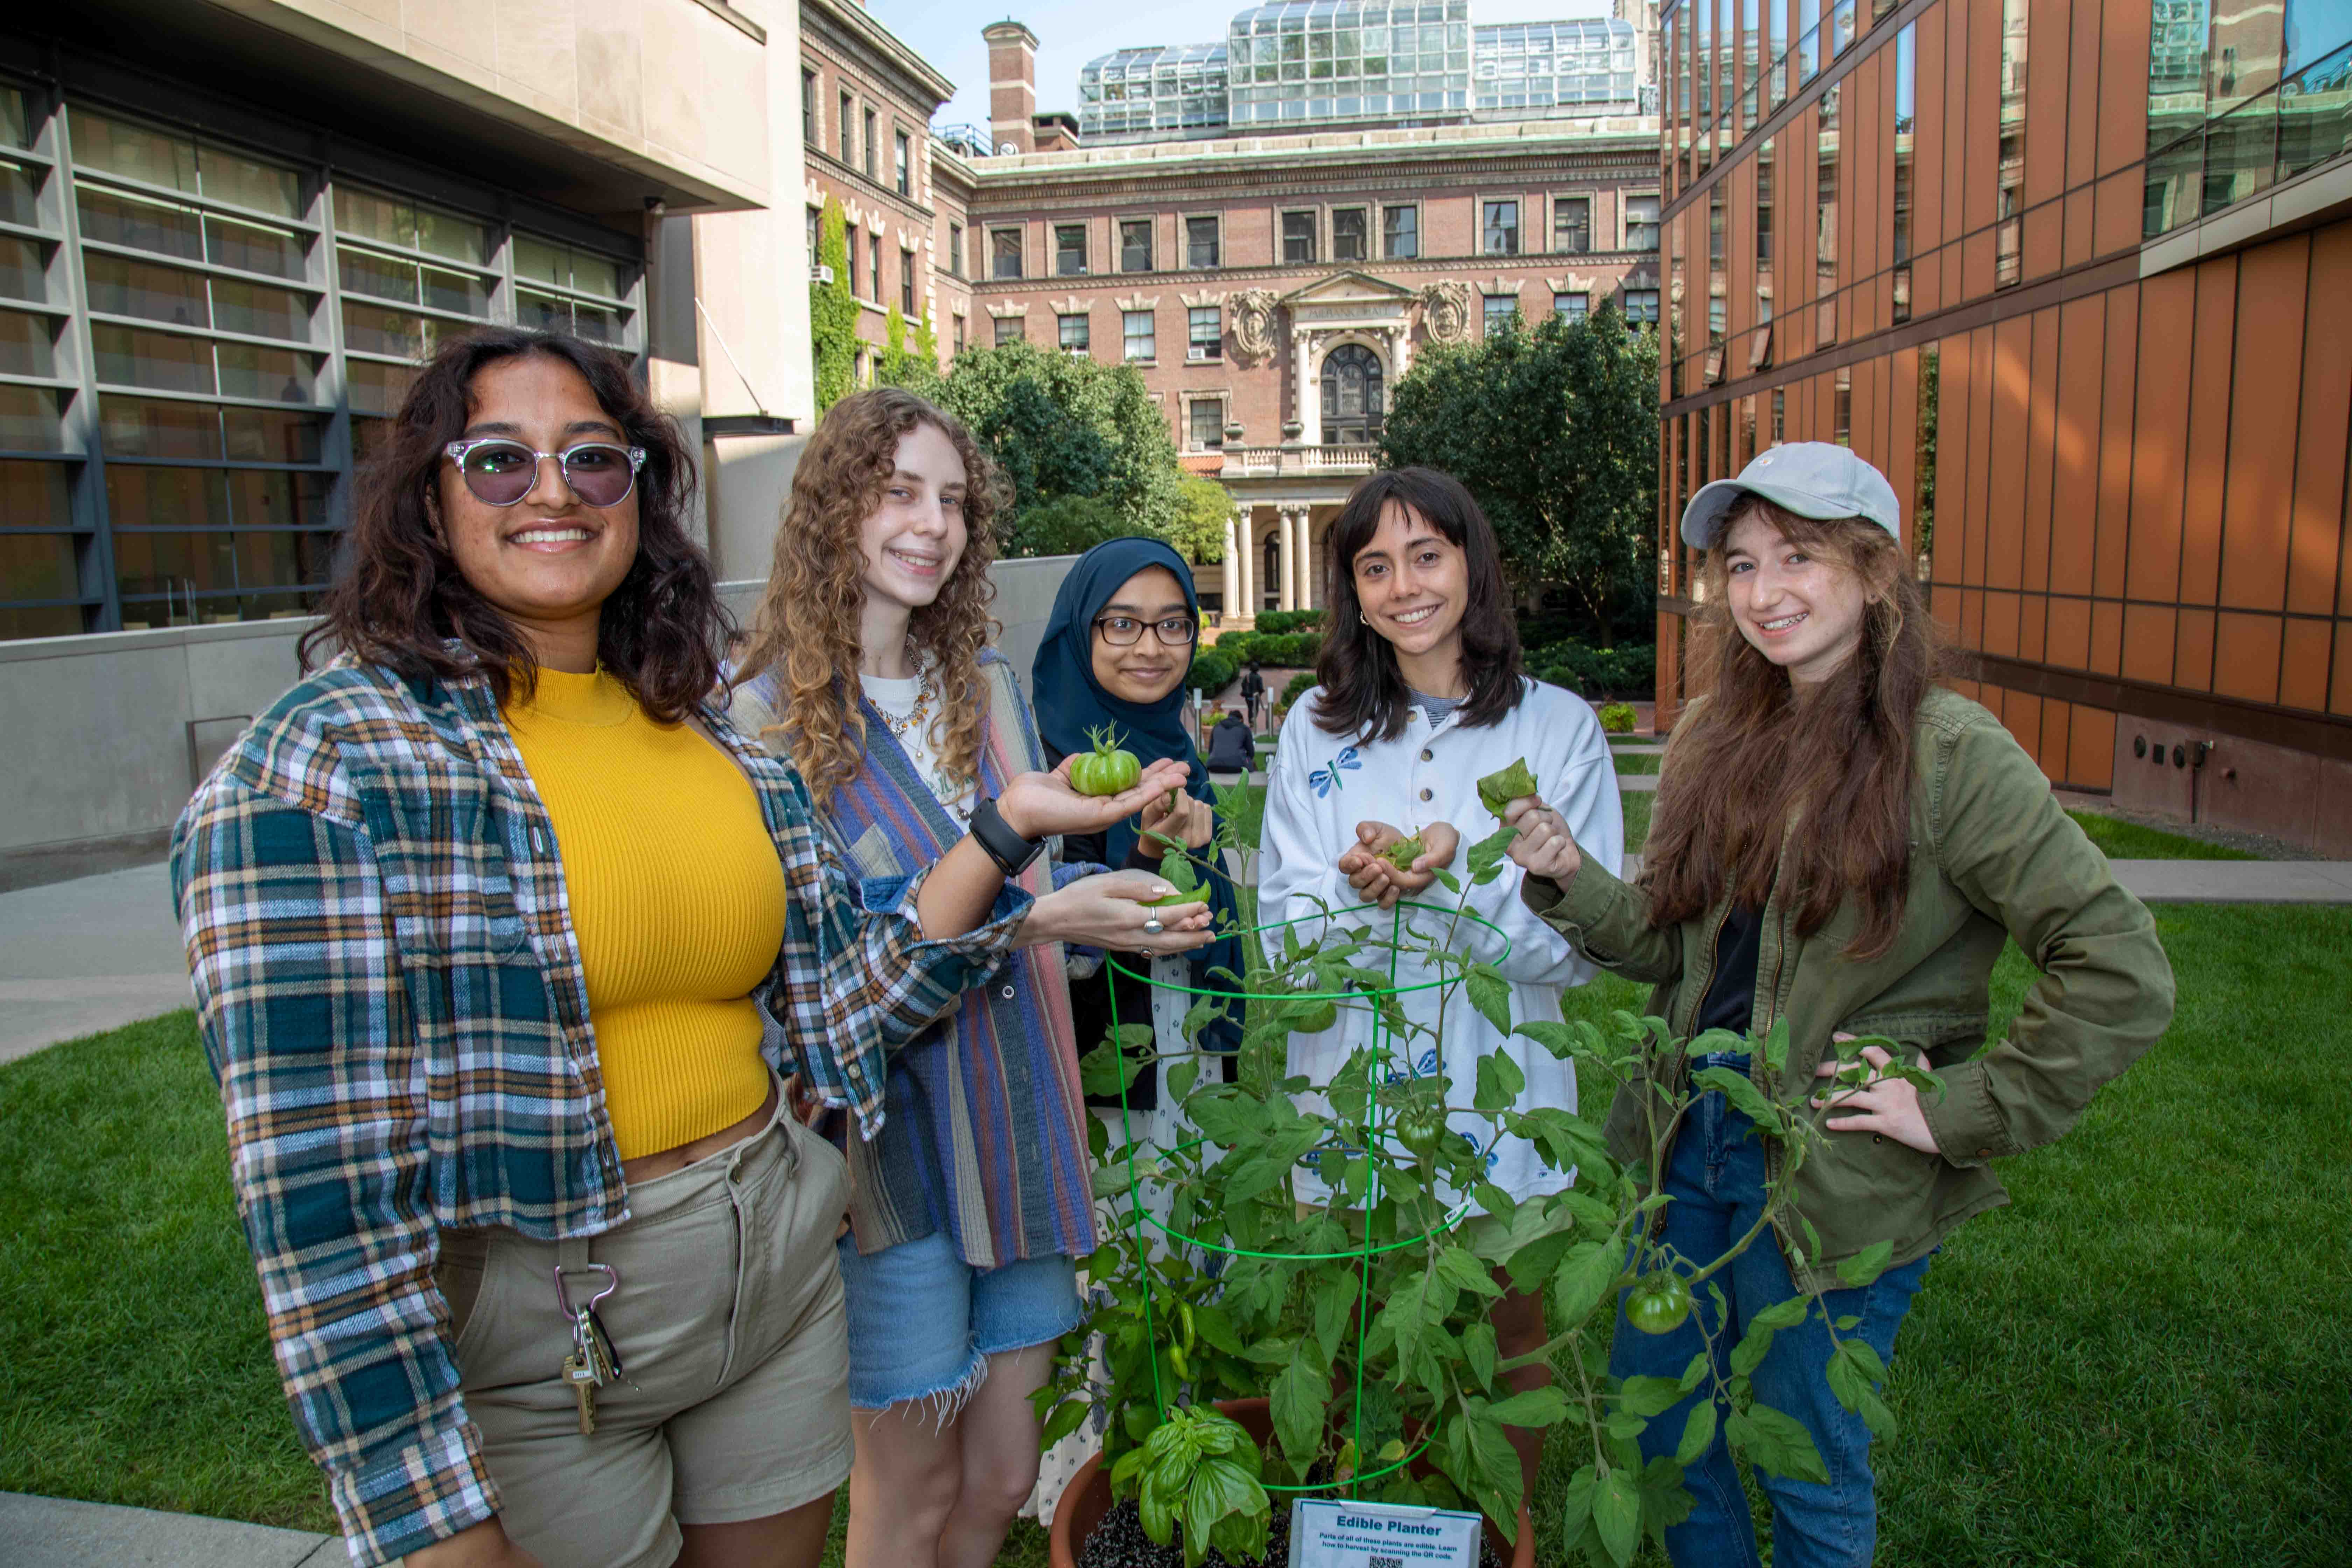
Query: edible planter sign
1342 1534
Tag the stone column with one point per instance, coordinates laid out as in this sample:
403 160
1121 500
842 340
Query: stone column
1290 559
1305 559
1230 576
1247 542
1310 397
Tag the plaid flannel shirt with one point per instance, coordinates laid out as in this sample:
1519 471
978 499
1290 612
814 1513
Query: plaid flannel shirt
391 994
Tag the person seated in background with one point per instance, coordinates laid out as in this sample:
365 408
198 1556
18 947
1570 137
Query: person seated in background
1231 747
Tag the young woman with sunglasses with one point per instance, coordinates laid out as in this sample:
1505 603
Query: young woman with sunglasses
869 668
1421 695
1842 845
500 934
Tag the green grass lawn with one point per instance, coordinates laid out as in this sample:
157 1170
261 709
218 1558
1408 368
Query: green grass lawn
1637 764
2131 841
2142 1361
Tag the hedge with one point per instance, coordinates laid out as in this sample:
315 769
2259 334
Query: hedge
1300 685
1212 671
1629 669
1277 622
1288 650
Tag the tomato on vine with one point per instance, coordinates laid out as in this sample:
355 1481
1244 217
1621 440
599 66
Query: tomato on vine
1421 1130
1106 770
1658 1302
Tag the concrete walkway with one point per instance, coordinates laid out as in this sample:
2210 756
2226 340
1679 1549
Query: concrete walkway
81 956
50 1532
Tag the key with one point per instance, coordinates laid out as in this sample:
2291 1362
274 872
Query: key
594 1347
583 1381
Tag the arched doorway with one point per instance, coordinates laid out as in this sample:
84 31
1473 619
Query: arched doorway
1352 395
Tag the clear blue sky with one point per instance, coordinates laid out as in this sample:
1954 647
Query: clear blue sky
1072 32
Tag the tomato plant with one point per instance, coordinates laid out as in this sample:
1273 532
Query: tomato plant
1106 769
1366 1323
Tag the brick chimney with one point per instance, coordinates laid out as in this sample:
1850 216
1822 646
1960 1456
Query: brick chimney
1012 85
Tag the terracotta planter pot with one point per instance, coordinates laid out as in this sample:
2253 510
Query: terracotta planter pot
1088 1498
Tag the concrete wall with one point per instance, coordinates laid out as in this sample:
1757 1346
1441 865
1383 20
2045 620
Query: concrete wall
107 734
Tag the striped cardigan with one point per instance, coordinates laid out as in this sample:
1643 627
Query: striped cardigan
984 1131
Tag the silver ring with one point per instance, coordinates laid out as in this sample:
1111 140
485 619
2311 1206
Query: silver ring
1152 926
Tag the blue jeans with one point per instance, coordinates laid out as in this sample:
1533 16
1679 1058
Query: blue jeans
1715 1177
923 1323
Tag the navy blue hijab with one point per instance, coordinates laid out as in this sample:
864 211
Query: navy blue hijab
1069 702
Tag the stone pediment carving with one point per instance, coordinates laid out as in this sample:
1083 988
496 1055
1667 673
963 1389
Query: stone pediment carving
1007 310
1348 288
1202 300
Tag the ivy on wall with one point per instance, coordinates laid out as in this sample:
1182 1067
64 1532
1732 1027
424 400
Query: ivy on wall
832 309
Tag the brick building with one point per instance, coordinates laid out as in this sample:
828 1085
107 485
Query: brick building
1270 288
2080 280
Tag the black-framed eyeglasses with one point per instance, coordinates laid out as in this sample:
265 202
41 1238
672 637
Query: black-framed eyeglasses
501 472
1126 631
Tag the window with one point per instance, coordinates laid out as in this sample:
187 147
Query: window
1575 306
958 334
1298 237
1208 423
901 163
1906 117
2009 238
809 137
1499 229
1008 330
1004 253
1205 332
848 113
1201 242
1825 184
907 284
955 250
871 151
1571 225
1400 233
1135 244
1069 249
849 255
1641 307
1500 308
1642 223
1351 396
1135 326
1076 334
815 234
1764 162
1348 236
874 264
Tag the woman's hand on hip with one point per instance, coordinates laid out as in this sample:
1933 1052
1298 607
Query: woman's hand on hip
1886 1106
1111 909
1039 806
1177 815
1544 847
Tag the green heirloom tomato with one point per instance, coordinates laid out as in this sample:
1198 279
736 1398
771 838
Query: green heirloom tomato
1497 790
1403 853
1106 770
1422 1131
1658 1303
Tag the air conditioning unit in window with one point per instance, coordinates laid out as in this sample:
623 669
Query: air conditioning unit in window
819 272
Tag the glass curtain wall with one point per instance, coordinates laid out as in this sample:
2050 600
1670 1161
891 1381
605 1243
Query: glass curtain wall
1906 115
1825 217
197 342
2009 238
1297 61
2239 96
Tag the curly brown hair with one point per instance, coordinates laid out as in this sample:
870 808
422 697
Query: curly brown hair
400 598
807 623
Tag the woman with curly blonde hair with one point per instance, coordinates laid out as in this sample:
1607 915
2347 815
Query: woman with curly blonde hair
966 1211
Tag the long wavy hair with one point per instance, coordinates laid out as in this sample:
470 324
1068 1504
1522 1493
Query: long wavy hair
1363 692
1813 787
400 600
807 624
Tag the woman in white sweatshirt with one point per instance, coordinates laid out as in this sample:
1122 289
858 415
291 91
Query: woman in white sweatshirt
1421 696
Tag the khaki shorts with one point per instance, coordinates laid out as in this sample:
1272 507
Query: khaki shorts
734 1349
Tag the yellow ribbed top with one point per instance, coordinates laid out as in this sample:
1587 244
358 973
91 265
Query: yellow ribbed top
676 896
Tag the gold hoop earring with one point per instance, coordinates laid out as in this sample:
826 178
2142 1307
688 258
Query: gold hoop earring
1361 620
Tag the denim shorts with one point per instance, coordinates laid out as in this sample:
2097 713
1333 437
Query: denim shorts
923 1323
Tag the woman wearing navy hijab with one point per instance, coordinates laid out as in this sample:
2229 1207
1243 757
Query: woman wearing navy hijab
1116 649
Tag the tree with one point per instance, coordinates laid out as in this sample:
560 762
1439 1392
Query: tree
1203 510
1555 429
1059 424
832 310
916 369
1066 525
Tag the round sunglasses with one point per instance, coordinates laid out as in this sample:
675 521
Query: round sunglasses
501 472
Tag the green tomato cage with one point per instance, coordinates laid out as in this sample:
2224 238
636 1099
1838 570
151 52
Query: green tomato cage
1382 1040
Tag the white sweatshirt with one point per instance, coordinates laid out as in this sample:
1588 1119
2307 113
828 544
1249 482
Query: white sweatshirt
1321 785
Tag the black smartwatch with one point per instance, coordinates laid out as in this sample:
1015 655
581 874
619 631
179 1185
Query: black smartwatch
1010 852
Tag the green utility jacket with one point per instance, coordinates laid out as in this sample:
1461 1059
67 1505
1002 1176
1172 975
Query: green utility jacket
1992 857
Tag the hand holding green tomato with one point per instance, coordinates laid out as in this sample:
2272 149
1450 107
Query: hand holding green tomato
1106 770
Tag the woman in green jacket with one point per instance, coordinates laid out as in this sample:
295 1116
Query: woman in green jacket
1841 843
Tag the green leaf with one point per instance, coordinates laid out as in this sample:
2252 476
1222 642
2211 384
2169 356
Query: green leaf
1617 1512
1176 870
1491 994
1486 857
1786 1313
1775 1044
1302 1394
1456 1264
1504 785
1744 1096
1647 1397
1778 1442
1214 1328
1498 1461
1584 1277
1065 1420
1544 1406
1866 1265
1451 883
1478 1349
1699 1434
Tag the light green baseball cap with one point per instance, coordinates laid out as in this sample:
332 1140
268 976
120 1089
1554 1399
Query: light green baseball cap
1812 478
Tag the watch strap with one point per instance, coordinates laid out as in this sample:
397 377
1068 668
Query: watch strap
1010 852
